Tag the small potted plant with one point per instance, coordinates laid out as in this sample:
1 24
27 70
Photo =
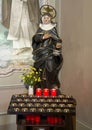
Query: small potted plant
30 77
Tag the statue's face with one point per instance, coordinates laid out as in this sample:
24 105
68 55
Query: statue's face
46 19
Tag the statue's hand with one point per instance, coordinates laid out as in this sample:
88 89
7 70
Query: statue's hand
58 45
46 36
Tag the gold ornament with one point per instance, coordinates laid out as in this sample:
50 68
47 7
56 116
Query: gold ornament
48 9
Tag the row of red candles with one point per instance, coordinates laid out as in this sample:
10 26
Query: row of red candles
37 119
46 92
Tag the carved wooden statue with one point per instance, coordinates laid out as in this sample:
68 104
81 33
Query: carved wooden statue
47 47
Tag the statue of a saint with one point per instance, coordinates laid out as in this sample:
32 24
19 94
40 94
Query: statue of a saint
47 47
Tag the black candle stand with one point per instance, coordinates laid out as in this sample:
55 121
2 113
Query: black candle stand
43 113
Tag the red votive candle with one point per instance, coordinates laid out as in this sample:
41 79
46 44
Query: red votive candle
46 92
38 92
49 119
56 120
37 119
27 118
60 120
32 119
53 92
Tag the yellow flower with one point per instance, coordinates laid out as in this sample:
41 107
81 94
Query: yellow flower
31 76
37 72
23 78
39 79
40 69
28 76
34 69
35 79
30 73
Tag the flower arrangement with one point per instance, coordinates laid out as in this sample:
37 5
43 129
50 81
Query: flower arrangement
31 76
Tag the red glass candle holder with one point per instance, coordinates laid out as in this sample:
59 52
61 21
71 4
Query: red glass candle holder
37 119
60 120
56 120
38 92
32 119
52 120
27 118
49 119
46 92
53 92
